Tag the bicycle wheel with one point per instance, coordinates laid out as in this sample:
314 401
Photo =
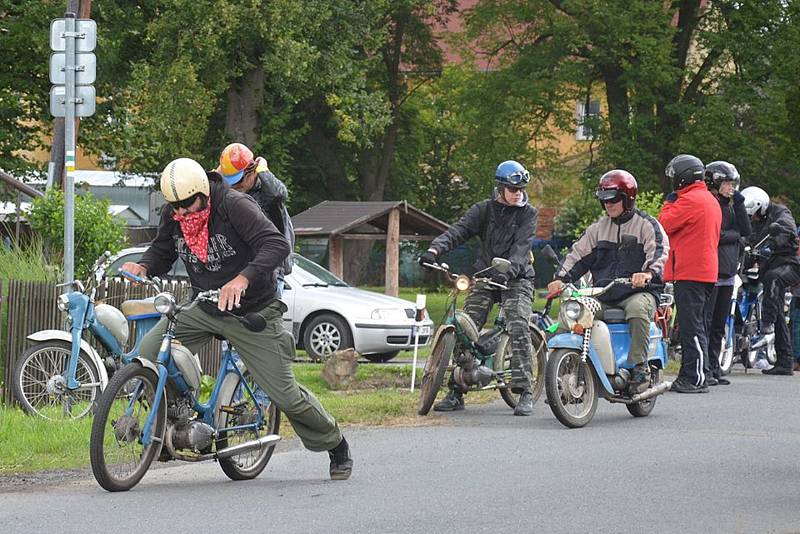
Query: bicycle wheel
237 407
118 457
435 368
502 363
40 384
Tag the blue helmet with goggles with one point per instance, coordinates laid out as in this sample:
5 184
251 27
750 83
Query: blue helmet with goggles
512 174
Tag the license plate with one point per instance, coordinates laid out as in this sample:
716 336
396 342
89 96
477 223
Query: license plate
424 330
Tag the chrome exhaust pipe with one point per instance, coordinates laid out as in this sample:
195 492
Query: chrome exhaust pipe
266 441
651 392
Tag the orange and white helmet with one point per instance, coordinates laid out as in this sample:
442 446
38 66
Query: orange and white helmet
183 178
233 161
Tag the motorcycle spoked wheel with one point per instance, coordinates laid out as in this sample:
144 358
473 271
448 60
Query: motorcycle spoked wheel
643 408
250 464
435 368
725 355
39 382
573 402
502 362
119 460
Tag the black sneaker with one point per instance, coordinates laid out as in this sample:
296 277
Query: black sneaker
723 381
681 386
524 404
787 371
711 381
453 402
341 461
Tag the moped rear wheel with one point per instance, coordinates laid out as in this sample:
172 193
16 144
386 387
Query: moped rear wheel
726 354
239 408
502 362
435 368
118 457
572 397
40 383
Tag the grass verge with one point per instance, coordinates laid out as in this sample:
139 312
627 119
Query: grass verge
379 396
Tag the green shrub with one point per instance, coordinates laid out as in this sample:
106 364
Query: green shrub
582 210
96 230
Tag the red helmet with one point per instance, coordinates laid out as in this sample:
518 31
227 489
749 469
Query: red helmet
615 184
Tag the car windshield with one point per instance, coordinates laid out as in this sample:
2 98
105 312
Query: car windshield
311 274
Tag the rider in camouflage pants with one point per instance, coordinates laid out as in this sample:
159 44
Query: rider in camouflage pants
505 224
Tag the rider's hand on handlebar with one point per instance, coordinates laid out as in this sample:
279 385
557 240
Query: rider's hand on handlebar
641 279
555 287
500 278
231 293
429 256
135 269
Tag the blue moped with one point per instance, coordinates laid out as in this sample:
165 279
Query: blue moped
61 375
155 410
590 360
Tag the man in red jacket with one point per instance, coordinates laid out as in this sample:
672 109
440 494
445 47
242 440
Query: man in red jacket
692 218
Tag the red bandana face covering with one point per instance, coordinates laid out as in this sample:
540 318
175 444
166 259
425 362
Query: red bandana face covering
195 230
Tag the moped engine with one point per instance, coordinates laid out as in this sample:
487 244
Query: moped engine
620 380
185 434
472 375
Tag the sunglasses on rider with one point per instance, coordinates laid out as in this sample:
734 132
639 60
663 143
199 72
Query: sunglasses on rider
609 196
185 203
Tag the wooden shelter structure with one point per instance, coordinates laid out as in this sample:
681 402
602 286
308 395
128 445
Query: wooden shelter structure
393 221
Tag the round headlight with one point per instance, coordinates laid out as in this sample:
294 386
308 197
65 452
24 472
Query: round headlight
572 309
63 302
462 283
164 303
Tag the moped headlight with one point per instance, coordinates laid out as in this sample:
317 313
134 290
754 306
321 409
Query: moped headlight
63 302
462 283
164 303
573 309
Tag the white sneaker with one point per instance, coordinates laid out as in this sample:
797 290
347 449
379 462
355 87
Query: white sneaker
762 363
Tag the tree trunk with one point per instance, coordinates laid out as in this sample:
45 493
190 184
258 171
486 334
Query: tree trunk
244 99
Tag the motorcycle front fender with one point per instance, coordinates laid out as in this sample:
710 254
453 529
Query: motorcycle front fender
43 336
575 341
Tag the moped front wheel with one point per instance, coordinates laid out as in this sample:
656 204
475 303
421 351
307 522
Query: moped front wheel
435 368
571 388
538 356
238 408
40 382
726 354
119 458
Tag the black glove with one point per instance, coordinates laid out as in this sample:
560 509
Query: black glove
427 257
672 197
500 278
738 198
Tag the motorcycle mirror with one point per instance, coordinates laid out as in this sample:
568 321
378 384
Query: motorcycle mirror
549 253
253 322
501 265
774 229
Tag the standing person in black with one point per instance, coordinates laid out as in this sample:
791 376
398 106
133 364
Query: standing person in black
781 271
722 180
506 225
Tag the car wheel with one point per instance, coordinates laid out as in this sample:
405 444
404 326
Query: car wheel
324 335
381 357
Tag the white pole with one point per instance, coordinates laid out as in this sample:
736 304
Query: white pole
417 320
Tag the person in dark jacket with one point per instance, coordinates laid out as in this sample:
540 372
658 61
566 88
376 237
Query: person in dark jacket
252 176
722 180
692 220
602 251
506 225
781 271
227 243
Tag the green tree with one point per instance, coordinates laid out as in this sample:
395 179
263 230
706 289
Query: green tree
96 230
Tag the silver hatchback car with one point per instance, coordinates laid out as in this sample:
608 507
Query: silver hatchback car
325 314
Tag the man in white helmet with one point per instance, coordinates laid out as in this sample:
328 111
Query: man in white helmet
227 243
780 272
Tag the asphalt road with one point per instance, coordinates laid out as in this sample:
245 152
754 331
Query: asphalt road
727 461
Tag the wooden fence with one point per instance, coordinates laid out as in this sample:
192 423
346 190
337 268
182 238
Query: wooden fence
31 307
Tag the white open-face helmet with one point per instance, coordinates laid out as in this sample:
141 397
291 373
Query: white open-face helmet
183 178
756 200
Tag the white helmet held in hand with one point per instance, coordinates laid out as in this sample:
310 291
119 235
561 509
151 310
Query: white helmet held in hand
756 200
183 178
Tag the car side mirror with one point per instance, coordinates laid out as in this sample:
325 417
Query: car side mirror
501 265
